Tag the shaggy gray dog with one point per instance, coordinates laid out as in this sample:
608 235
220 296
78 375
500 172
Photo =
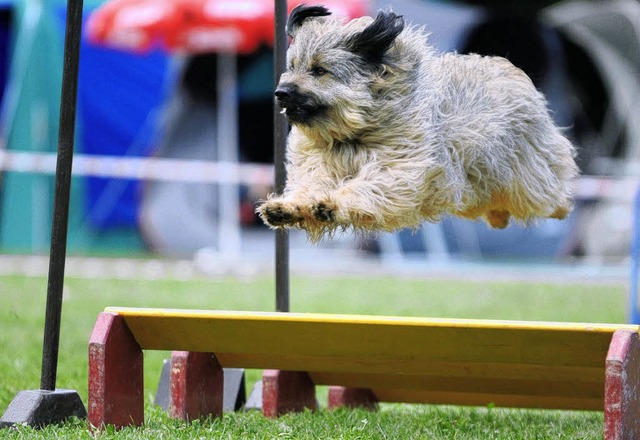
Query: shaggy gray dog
387 133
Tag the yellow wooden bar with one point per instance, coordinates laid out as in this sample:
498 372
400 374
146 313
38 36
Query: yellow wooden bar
472 398
384 339
404 359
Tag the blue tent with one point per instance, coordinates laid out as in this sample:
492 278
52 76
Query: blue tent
118 94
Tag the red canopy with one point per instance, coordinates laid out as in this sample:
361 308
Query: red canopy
195 26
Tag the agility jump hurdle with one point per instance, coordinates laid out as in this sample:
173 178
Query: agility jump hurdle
366 359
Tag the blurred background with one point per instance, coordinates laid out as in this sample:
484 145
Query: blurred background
174 139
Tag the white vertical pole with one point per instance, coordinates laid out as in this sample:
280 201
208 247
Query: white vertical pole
229 240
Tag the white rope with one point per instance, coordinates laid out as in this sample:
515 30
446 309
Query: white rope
199 171
620 189
165 169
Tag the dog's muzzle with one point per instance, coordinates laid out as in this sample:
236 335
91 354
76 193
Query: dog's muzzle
299 107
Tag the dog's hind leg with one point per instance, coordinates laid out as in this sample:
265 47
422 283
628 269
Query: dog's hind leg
497 218
560 213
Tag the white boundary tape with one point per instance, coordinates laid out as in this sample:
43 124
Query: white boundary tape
199 171
166 169
621 189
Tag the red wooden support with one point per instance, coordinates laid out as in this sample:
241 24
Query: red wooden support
286 391
115 374
622 387
352 398
197 385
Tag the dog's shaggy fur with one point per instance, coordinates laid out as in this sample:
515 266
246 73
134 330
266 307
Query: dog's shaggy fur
386 133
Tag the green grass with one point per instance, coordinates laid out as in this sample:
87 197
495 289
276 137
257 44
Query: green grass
22 315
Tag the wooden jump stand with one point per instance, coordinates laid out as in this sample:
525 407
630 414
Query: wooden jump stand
365 359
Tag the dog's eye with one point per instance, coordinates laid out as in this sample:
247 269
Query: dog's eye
319 71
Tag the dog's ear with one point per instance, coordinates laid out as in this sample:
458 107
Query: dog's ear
376 39
300 13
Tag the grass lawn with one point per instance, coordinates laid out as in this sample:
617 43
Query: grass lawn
22 316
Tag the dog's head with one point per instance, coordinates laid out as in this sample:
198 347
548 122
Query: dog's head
331 66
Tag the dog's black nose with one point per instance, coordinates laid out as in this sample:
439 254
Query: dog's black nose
281 94
284 91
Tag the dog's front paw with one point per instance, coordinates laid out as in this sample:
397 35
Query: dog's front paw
277 214
324 212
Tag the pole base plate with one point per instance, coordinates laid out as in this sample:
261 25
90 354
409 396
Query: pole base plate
38 408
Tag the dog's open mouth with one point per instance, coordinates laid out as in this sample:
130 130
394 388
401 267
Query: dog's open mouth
298 107
302 114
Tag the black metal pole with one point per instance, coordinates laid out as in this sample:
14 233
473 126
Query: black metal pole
280 129
59 226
